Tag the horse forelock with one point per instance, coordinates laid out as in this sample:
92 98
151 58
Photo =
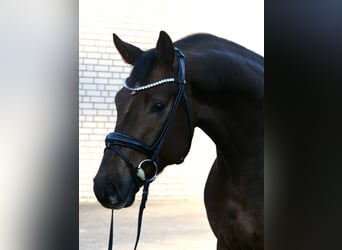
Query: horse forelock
142 68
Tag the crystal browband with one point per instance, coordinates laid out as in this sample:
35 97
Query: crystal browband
151 85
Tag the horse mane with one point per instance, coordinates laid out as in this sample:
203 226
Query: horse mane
205 41
228 66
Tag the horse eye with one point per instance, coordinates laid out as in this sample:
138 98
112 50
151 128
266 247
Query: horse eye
158 107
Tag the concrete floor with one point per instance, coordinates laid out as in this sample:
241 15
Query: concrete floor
166 225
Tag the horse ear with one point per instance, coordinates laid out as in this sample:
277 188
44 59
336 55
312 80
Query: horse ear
165 49
129 52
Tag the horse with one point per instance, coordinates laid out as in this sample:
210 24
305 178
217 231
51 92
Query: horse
199 81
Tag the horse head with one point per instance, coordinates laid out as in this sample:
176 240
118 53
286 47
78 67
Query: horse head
154 122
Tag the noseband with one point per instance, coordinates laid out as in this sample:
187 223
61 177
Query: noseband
114 140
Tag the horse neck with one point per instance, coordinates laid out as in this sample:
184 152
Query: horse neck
233 119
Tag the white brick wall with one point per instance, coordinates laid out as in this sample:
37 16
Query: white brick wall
101 72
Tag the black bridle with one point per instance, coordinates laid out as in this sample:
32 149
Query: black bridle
114 140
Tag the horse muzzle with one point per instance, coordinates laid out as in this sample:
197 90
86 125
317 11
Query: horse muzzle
110 196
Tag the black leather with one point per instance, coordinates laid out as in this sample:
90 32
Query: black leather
118 139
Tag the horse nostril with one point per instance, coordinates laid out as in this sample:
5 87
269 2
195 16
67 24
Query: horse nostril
113 199
110 194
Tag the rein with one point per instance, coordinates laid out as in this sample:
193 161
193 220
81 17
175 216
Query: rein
115 139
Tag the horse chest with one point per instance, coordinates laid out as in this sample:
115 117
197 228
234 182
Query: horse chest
232 216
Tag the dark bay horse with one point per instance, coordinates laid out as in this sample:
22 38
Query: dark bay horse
200 81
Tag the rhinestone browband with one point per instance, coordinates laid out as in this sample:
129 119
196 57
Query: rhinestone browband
151 85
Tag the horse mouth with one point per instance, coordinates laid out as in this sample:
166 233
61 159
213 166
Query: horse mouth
113 195
116 203
112 199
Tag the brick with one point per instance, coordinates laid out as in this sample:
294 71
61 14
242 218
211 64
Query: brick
112 106
93 93
88 86
89 118
102 50
81 92
86 131
90 67
94 144
105 62
93 55
101 106
82 54
90 74
99 125
90 61
114 56
97 99
104 93
116 69
101 80
110 100
88 124
86 80
100 118
84 137
101 68
88 36
86 42
109 126
89 112
85 98
106 36
110 87
116 81
85 105
100 131
113 117
90 49
83 144
105 75
97 137
127 70
100 43
104 112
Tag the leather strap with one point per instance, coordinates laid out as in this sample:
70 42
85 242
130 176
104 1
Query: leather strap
110 244
140 216
115 139
141 211
128 163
